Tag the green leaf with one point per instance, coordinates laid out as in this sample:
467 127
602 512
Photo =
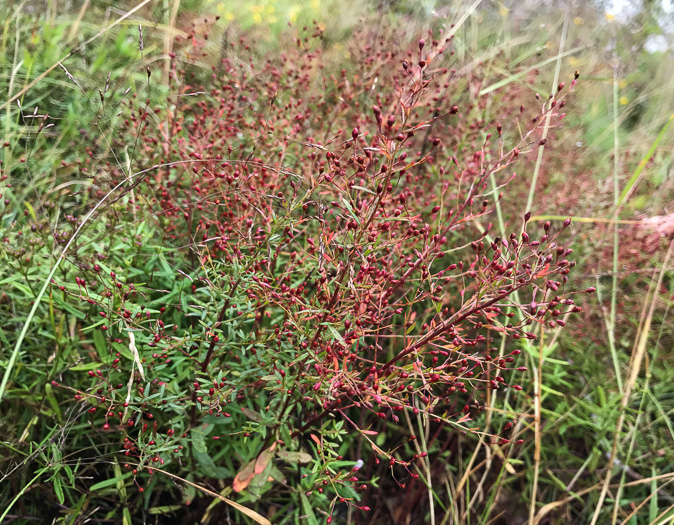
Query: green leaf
121 487
69 473
307 510
83 367
209 467
30 209
276 474
204 459
552 391
363 189
190 490
198 441
261 481
99 343
294 457
251 414
108 482
58 489
55 452
60 304
164 509
337 335
653 504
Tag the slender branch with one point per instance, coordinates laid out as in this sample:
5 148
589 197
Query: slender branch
447 325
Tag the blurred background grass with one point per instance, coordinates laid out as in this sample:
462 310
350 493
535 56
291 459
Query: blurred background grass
605 452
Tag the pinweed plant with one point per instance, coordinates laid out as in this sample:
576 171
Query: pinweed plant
273 268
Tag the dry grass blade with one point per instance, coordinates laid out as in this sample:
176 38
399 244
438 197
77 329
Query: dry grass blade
549 507
538 394
78 21
663 519
590 220
245 510
426 462
455 27
171 17
638 507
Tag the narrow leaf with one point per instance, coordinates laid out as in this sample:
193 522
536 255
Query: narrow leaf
108 482
294 457
244 477
251 414
264 458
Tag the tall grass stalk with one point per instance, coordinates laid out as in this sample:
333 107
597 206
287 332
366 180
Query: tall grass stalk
548 117
611 325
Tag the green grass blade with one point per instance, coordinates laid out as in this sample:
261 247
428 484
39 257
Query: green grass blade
634 179
21 492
